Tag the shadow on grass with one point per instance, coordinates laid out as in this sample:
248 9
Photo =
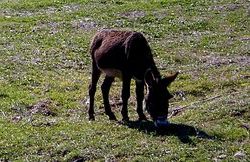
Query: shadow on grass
182 131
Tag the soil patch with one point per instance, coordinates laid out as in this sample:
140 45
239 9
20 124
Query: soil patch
226 7
133 15
84 24
223 60
42 107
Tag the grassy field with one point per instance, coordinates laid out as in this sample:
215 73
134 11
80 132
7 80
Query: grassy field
45 72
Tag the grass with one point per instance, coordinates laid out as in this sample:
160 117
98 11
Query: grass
45 71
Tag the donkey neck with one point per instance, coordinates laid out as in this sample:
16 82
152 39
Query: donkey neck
141 76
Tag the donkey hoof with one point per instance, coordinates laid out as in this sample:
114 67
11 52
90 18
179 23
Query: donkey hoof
112 117
125 119
91 118
143 118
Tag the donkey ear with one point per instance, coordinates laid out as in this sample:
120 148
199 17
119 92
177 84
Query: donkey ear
149 78
169 79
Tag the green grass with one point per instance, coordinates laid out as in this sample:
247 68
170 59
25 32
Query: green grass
44 61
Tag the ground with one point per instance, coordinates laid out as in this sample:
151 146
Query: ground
45 71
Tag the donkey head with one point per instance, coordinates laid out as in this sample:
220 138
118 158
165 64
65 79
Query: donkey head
157 98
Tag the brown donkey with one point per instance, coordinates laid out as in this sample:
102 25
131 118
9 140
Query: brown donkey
127 55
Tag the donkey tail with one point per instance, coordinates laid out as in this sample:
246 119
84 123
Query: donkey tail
96 43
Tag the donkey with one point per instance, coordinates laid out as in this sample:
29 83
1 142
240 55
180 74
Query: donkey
127 55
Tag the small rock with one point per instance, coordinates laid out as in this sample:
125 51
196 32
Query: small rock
16 118
222 156
87 101
239 155
246 126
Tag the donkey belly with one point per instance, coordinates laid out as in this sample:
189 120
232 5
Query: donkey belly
117 73
112 72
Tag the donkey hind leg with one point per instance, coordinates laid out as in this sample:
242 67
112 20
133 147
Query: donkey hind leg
105 92
139 97
92 89
125 97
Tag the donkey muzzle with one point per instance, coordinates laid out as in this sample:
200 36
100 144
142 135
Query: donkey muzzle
161 121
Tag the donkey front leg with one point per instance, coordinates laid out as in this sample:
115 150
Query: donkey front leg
125 97
139 97
105 92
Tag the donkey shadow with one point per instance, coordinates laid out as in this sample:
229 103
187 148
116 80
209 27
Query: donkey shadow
182 131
